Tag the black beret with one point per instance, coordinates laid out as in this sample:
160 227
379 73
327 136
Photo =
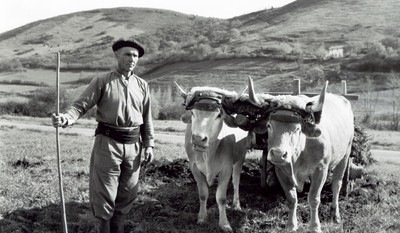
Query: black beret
128 43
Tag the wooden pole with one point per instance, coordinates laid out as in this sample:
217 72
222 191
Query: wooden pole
296 87
344 87
60 182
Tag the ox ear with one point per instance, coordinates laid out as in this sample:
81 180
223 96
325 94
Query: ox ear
186 118
229 120
311 130
183 93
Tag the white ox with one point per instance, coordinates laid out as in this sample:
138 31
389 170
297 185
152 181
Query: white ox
213 148
300 150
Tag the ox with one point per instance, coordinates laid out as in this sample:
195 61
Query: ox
307 139
213 148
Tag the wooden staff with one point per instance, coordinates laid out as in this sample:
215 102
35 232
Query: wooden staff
60 182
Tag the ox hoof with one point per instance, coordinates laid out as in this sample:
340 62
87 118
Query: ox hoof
201 221
237 207
315 230
292 228
226 228
335 217
337 220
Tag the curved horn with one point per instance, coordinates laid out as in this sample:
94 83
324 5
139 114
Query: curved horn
183 93
318 106
252 96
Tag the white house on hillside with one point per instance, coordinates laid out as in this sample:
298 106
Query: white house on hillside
335 51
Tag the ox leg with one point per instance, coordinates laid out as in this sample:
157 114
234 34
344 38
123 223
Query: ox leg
237 168
264 172
291 199
202 188
337 179
318 179
223 181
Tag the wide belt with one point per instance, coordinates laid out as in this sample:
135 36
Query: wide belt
126 135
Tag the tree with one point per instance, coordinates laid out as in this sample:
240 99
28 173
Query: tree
234 34
394 83
369 101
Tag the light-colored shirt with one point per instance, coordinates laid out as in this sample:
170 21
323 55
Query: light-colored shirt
120 101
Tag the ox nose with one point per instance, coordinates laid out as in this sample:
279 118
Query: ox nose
198 138
278 155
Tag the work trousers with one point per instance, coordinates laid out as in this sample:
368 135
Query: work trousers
114 176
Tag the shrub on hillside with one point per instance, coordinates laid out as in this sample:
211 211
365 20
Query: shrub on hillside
14 108
360 148
171 107
315 76
171 112
41 104
13 65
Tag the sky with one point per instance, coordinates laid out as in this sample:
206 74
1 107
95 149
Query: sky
16 13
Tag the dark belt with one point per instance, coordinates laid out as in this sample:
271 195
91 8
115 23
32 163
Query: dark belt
126 135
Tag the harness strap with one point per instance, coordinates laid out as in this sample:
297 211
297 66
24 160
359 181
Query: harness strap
205 101
300 115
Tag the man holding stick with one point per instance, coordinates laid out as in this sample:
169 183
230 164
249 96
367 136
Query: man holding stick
124 127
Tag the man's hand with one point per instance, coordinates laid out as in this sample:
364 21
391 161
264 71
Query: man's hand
148 155
59 121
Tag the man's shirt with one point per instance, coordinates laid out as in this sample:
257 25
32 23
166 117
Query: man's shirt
121 102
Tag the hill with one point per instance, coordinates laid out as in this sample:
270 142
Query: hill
272 45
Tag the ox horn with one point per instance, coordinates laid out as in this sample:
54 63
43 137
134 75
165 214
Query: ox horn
183 93
252 96
318 106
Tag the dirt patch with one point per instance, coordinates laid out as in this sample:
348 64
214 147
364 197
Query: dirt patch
168 202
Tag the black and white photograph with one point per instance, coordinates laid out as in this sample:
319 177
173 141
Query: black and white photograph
156 116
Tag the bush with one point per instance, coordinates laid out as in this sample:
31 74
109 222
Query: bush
360 148
171 109
171 112
13 108
13 65
41 104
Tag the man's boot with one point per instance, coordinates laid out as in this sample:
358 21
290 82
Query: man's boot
117 223
103 226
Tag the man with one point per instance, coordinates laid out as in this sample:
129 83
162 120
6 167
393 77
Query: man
124 126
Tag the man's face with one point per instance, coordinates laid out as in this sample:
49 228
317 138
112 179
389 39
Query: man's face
127 58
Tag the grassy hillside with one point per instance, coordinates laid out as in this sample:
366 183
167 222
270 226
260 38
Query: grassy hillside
326 20
274 46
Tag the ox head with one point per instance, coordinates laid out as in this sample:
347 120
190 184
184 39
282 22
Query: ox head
286 127
291 109
206 115
289 121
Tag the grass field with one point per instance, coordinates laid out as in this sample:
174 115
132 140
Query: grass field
168 201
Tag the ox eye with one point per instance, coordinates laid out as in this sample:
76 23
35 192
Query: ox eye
269 127
219 115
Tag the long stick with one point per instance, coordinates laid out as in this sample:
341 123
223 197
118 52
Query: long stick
60 182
